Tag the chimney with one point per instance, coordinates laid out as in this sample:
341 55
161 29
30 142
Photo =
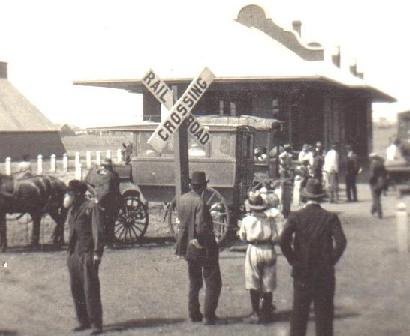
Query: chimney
297 27
353 69
336 58
3 70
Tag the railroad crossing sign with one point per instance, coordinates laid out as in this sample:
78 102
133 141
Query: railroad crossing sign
179 111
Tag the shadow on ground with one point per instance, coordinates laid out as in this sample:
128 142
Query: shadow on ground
138 323
8 332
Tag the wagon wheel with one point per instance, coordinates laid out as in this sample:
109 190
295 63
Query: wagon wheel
219 212
132 220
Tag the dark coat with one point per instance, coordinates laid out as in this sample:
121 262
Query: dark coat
86 229
352 165
307 242
195 222
378 174
106 184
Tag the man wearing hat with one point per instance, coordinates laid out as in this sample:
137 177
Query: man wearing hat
378 183
85 249
106 183
196 242
313 241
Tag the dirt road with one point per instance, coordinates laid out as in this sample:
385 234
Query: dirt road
144 288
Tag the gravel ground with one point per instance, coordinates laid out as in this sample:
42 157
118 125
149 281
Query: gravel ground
144 287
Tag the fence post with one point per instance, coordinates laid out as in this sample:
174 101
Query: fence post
108 155
78 171
98 158
8 166
77 159
119 155
39 164
53 163
402 228
65 163
88 159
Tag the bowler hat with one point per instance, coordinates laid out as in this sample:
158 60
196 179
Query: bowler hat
198 177
77 187
313 189
256 202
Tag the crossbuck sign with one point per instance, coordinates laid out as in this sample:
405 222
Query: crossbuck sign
179 111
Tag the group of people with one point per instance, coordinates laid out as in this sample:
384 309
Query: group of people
312 240
326 167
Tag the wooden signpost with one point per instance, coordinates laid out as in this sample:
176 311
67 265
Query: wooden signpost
174 126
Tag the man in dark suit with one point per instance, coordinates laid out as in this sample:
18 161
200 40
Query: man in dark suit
85 249
352 169
313 241
378 183
106 183
196 242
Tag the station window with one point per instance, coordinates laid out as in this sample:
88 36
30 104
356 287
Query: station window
221 107
275 107
232 107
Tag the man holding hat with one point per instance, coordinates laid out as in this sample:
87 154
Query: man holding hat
313 241
196 242
85 249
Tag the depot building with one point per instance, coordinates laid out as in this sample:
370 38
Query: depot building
264 70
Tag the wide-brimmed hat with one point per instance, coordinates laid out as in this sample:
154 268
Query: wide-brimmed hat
313 189
76 187
256 202
198 177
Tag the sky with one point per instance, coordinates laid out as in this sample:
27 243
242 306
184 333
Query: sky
50 43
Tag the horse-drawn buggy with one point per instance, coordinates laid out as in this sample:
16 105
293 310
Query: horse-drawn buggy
227 159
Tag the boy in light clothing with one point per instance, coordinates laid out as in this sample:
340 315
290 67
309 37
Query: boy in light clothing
260 230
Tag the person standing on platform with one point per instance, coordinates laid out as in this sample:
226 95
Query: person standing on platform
85 250
352 169
305 155
313 241
392 151
331 168
317 162
378 183
106 184
196 242
286 175
261 230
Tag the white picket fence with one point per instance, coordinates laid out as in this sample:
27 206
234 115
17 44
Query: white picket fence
62 166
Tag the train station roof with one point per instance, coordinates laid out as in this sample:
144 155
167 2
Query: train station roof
240 53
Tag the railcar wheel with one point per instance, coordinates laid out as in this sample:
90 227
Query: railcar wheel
218 209
133 219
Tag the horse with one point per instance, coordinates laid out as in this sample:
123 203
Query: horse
37 196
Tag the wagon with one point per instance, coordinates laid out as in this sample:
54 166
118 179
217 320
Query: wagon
227 159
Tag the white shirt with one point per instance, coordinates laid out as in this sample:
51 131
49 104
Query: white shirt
261 226
391 152
306 156
331 162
